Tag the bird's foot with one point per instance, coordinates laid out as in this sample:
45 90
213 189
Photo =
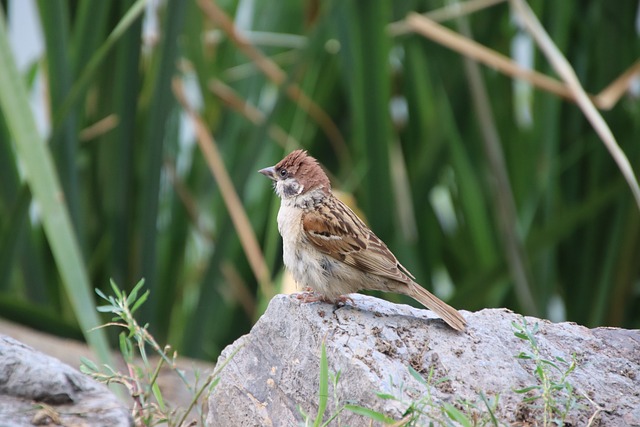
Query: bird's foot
310 296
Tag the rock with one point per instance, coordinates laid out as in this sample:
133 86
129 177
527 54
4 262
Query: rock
71 352
36 389
372 343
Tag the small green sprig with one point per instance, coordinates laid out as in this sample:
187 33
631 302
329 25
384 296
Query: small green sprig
553 389
141 376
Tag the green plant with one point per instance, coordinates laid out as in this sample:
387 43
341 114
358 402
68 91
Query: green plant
323 395
140 379
323 392
425 411
419 412
556 393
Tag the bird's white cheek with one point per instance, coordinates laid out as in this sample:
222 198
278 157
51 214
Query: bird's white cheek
288 188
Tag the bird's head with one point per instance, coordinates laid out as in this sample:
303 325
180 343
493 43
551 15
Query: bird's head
297 174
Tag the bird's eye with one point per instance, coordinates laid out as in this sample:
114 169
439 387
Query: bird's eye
283 173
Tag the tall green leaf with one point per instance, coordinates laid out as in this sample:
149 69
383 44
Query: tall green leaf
43 180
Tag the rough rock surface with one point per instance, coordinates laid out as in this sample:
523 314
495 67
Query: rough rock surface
71 352
36 389
275 372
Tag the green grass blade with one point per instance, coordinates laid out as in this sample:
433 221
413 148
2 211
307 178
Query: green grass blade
88 28
64 140
456 415
323 392
118 148
97 58
10 233
162 104
360 26
474 206
45 186
369 413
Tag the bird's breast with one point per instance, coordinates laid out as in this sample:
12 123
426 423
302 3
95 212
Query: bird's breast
290 228
306 263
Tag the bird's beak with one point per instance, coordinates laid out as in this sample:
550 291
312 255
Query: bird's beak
269 172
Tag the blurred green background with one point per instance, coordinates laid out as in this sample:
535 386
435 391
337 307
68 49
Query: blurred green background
121 189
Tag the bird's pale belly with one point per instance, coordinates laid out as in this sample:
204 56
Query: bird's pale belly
313 269
323 274
326 275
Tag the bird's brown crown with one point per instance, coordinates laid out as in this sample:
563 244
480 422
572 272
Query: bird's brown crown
304 169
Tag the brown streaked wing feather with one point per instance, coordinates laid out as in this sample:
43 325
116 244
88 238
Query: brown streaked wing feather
336 230
325 233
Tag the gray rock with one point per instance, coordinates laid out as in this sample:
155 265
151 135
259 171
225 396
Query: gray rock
36 389
71 352
275 371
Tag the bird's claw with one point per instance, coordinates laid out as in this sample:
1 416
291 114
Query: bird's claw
341 301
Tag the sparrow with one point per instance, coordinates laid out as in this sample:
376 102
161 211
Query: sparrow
329 249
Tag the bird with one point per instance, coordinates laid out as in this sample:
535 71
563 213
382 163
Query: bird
329 250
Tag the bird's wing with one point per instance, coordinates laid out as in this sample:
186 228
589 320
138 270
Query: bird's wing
336 230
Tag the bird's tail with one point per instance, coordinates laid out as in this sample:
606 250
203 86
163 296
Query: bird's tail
442 309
